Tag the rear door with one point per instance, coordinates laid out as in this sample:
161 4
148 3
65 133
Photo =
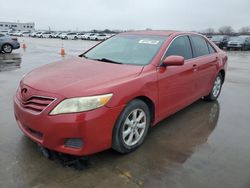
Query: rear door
176 83
206 59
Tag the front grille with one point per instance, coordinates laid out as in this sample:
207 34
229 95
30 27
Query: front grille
36 104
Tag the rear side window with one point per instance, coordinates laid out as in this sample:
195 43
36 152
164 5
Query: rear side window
180 46
200 46
211 49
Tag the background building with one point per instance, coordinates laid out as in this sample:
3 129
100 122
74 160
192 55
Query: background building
17 26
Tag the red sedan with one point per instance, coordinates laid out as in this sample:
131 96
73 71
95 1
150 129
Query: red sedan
110 95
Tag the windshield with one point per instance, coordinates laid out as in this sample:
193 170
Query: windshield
217 38
127 49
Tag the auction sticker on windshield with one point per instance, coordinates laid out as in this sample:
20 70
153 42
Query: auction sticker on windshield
148 41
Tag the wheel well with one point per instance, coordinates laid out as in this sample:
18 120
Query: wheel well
150 105
223 75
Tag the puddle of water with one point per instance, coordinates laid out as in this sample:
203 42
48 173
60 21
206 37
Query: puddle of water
10 62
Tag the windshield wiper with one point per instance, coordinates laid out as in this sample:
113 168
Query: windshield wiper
83 55
108 60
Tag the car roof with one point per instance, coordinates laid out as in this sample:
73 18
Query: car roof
156 32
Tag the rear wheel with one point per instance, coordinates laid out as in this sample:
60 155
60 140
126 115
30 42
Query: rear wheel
216 89
7 48
131 127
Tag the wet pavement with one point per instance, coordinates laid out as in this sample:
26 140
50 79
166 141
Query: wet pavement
205 145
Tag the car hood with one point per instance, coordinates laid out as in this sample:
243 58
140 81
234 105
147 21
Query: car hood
217 40
235 42
79 77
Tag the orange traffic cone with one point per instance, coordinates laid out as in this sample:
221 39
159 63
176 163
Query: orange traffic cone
62 51
24 45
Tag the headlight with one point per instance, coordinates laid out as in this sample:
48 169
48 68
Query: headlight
81 104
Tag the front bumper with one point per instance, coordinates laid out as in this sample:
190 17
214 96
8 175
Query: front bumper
234 45
94 128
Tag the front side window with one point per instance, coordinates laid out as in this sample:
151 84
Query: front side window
180 46
200 46
128 49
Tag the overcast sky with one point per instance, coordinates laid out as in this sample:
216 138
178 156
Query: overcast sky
127 14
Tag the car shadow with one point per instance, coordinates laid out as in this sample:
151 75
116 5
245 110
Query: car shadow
172 141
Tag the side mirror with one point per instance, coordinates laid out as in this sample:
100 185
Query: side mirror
173 60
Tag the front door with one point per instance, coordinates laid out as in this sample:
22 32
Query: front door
176 83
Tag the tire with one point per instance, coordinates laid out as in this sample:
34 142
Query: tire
66 38
7 48
244 48
126 128
216 89
50 36
75 38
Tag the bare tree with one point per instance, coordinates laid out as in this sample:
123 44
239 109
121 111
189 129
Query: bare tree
245 30
226 30
209 31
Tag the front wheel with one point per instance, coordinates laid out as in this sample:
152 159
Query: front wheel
216 89
131 127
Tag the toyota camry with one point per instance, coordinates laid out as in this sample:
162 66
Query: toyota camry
109 96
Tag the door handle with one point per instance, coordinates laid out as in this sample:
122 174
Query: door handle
194 67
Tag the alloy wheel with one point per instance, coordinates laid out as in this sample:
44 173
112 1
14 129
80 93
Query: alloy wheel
217 86
7 48
134 127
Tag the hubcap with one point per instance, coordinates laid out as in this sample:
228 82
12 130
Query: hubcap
134 127
217 86
7 48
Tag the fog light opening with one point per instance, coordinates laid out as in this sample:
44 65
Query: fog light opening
73 143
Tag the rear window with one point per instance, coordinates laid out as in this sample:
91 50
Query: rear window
200 46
